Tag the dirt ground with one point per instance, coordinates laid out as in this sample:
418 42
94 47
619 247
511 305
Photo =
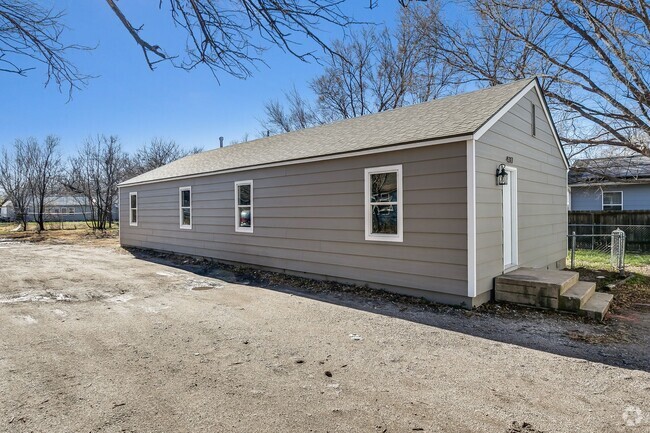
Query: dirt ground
98 339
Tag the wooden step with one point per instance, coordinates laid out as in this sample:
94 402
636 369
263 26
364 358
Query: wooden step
597 305
573 298
535 287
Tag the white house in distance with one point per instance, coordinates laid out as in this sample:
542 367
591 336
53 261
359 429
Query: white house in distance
406 200
57 208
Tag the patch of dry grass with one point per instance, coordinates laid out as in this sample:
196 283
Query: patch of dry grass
633 293
72 233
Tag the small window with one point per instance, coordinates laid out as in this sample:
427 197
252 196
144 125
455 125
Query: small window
186 207
533 120
383 203
55 210
244 206
612 200
71 211
133 209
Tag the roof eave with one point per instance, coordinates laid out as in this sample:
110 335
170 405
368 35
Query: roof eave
380 149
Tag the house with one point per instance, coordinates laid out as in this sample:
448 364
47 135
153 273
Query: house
618 183
405 200
6 211
57 209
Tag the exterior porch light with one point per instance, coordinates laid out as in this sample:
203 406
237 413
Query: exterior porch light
502 175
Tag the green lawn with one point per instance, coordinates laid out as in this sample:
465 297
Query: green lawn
601 260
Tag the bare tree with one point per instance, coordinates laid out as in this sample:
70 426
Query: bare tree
44 167
375 70
156 154
226 36
230 35
14 180
478 51
592 56
31 34
299 114
95 174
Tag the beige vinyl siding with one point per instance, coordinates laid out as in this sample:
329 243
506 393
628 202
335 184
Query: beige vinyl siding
309 218
542 202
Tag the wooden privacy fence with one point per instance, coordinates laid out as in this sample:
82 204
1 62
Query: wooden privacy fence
635 224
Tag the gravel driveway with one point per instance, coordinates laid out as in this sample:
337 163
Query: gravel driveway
96 340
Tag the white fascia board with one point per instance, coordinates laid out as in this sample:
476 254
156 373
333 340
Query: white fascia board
495 118
596 184
385 149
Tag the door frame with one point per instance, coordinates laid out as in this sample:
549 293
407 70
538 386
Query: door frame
510 206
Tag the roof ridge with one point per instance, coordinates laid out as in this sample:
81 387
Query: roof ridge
392 110
442 118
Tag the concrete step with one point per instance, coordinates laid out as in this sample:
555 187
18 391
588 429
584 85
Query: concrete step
535 287
597 305
573 298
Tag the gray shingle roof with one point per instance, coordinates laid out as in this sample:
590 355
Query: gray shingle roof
446 117
626 168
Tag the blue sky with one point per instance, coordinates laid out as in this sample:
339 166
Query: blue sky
135 103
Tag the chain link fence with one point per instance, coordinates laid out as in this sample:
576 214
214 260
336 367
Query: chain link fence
603 248
594 236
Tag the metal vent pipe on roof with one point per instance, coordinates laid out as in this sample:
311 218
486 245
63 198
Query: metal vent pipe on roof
220 141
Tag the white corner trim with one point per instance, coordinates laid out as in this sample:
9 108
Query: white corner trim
496 117
137 214
471 218
237 215
180 207
370 236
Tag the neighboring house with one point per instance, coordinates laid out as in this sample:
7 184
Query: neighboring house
6 211
617 183
58 208
405 200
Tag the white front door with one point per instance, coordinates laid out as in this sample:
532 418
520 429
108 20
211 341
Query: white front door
510 236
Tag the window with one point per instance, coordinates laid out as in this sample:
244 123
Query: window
133 209
71 210
185 194
244 206
533 123
383 203
612 200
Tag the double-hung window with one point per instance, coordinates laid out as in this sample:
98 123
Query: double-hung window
244 206
185 197
612 200
133 209
383 203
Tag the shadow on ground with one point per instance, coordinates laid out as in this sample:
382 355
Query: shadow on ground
621 341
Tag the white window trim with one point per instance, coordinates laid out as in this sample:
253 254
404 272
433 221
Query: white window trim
180 207
137 217
602 200
237 227
399 237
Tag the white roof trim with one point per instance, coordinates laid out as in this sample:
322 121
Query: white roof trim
496 117
391 148
622 183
